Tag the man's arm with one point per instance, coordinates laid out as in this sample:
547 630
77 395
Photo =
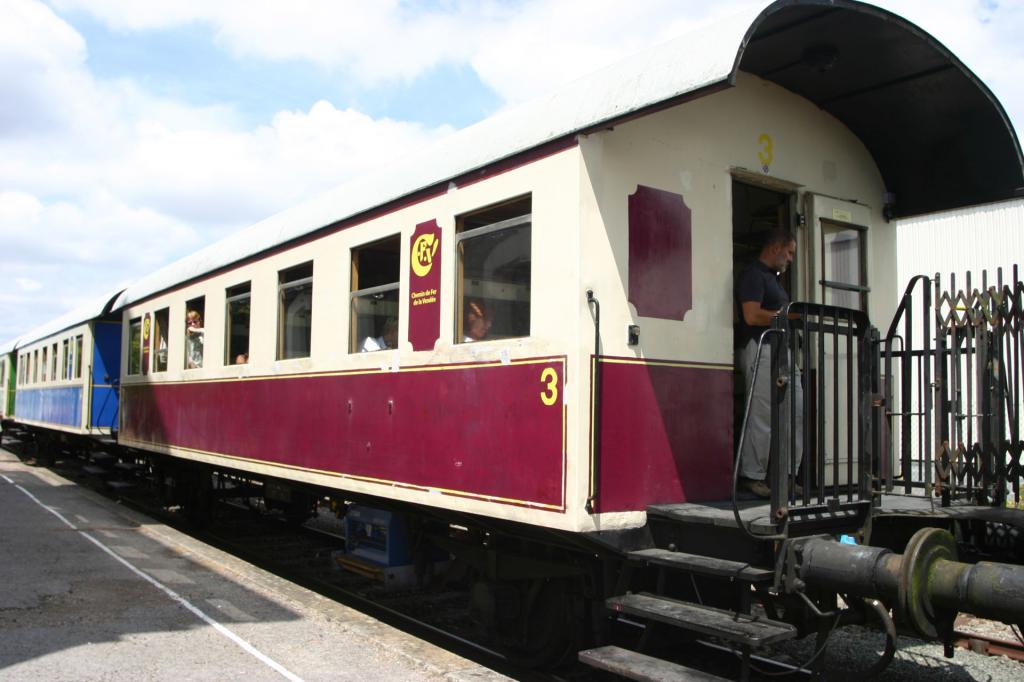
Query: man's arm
756 316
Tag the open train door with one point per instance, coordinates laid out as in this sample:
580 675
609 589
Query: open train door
836 273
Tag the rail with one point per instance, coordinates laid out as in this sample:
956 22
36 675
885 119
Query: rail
952 427
825 353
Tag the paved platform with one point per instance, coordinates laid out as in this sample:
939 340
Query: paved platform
90 590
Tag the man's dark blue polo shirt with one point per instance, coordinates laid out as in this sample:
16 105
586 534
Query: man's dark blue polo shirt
758 283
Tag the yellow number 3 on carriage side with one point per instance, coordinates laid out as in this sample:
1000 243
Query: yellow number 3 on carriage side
550 393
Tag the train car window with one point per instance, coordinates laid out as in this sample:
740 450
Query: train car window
53 363
195 332
843 265
35 366
45 363
375 282
161 322
239 299
65 365
78 356
135 346
295 312
493 300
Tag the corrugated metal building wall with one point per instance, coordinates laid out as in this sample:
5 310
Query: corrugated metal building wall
968 240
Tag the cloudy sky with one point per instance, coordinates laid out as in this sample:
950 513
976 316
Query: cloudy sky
133 132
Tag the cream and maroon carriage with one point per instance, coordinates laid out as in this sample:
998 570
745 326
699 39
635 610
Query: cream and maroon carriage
528 328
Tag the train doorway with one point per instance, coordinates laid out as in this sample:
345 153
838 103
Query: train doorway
757 209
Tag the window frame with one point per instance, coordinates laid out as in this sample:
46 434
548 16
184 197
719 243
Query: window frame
79 349
860 290
355 294
197 303
134 349
463 235
282 287
230 298
155 340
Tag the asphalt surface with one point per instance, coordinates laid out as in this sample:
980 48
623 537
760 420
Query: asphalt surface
90 590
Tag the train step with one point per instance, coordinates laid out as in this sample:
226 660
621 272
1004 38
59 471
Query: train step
755 515
121 485
634 666
129 466
704 565
102 458
740 628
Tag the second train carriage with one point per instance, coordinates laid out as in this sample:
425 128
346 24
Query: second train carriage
527 330
65 374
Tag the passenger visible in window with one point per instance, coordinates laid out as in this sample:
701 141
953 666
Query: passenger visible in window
194 334
387 339
242 359
476 321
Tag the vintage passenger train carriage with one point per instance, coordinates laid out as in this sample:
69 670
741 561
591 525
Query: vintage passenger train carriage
527 330
643 184
65 373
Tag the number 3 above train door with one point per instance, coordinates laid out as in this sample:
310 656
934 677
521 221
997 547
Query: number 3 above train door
835 252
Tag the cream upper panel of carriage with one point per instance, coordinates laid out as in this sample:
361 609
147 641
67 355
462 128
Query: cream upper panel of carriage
61 359
346 300
687 155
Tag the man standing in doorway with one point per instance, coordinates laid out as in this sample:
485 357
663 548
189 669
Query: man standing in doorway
761 298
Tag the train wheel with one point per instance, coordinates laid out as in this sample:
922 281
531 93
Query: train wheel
198 496
530 620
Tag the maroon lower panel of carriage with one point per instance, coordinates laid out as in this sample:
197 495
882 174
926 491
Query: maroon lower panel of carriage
490 431
666 433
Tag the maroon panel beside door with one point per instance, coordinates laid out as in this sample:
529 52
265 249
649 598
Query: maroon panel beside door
425 286
666 434
478 430
660 254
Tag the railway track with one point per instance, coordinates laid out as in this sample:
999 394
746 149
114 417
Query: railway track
305 555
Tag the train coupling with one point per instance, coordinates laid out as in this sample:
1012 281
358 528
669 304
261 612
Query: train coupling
926 586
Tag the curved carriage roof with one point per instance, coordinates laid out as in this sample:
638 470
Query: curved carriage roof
938 135
84 313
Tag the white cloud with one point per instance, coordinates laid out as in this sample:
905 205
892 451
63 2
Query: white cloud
122 182
522 48
101 172
26 284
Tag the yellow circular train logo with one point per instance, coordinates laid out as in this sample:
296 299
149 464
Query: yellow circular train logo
423 251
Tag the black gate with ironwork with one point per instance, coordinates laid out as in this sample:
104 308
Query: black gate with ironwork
952 380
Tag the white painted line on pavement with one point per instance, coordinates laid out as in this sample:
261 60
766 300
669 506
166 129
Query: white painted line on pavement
248 648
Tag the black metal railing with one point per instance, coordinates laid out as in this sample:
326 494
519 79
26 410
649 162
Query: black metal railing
829 354
952 426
